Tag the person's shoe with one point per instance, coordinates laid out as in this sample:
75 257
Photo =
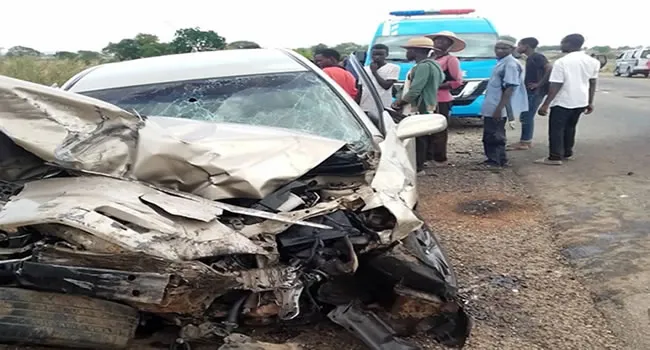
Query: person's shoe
421 173
570 158
487 165
439 164
547 161
518 147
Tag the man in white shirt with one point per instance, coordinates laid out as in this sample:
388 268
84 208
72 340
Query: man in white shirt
383 75
571 93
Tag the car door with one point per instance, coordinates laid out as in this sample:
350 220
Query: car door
392 146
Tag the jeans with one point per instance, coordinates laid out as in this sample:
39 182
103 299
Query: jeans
527 118
562 131
494 140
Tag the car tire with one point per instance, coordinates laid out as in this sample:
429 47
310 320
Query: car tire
616 72
628 72
646 74
53 319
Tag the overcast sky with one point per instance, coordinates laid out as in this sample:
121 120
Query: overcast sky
71 25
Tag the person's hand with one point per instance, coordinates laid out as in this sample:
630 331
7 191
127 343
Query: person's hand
589 109
543 110
373 67
396 105
497 114
511 124
533 86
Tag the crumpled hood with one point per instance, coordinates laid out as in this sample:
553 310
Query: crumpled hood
212 160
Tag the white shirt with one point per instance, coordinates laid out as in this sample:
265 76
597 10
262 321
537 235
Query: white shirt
388 71
574 72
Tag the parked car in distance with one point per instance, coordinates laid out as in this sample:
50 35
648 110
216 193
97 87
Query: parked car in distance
633 62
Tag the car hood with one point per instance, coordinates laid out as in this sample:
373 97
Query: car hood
213 160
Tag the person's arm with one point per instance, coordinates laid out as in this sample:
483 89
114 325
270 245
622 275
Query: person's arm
557 80
453 67
420 74
387 82
592 88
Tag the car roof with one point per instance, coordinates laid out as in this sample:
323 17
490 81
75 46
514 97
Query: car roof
184 67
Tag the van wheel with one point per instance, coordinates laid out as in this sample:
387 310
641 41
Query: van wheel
43 318
628 72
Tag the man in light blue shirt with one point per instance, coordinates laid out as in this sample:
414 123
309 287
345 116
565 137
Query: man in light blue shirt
505 94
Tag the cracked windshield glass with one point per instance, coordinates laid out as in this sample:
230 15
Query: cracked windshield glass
297 100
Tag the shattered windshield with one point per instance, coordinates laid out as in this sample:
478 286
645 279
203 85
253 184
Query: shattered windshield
296 100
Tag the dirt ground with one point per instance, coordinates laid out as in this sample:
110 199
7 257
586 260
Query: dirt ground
519 290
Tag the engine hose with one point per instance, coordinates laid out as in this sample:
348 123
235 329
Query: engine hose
233 315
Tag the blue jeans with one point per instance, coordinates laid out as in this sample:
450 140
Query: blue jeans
494 141
527 119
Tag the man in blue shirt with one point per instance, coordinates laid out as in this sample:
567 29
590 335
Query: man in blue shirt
505 93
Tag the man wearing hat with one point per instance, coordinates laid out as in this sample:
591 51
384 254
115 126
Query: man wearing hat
420 92
505 94
445 42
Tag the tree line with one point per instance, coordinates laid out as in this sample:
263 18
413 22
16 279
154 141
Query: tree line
194 39
149 45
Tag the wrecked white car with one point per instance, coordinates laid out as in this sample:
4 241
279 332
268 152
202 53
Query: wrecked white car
175 212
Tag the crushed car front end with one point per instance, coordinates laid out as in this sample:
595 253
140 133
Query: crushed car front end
204 233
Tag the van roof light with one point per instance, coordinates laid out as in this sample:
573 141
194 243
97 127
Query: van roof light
410 13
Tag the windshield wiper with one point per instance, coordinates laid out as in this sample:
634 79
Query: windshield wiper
397 60
474 58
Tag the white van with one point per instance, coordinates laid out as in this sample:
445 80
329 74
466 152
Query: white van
632 62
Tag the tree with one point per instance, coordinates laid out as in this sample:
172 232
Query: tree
348 48
142 45
195 39
20 51
242 44
65 55
89 56
601 49
305 52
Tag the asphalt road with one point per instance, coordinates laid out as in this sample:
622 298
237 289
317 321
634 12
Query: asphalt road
599 203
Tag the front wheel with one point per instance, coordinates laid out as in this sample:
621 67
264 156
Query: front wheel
628 72
617 73
54 319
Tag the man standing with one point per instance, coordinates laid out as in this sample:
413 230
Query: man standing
420 93
445 42
328 60
572 90
505 90
538 70
383 75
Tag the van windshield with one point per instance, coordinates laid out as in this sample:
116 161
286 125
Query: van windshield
479 45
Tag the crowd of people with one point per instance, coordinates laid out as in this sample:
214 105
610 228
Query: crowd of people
563 90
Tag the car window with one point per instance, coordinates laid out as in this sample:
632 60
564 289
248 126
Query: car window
297 100
478 45
645 54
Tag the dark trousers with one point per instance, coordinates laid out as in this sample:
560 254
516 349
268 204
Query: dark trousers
433 147
494 140
562 131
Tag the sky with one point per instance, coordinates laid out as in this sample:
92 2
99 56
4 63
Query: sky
72 25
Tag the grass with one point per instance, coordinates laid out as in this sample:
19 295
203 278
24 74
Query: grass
40 70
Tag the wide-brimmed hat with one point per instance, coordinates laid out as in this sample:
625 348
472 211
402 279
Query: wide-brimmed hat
419 43
457 44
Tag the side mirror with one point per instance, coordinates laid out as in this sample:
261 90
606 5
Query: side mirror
421 124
